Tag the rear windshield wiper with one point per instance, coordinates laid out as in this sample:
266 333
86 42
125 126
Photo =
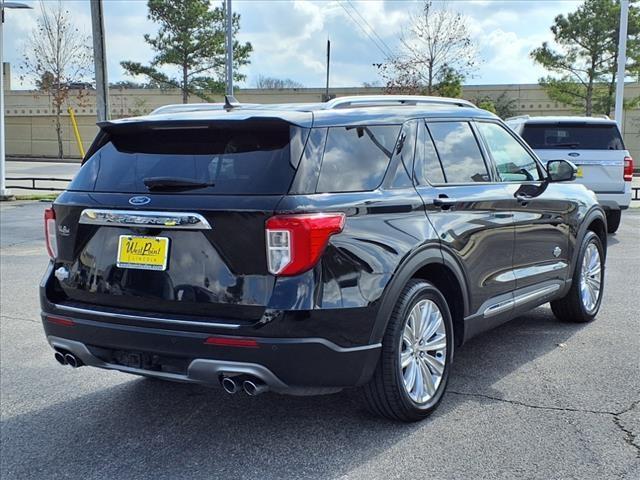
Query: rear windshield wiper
173 184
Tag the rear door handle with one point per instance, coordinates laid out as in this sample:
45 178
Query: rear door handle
444 202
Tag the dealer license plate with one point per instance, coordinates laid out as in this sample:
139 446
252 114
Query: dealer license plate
146 253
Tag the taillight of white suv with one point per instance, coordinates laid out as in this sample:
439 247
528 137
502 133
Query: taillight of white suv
628 169
296 242
50 232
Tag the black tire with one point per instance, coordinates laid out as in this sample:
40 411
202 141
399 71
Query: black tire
613 220
385 394
571 308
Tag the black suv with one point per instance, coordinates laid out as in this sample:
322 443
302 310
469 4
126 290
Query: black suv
311 247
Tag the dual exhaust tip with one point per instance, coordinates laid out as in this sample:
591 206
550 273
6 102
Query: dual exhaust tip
67 358
251 386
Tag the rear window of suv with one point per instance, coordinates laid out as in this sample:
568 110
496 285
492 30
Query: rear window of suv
248 158
577 136
356 157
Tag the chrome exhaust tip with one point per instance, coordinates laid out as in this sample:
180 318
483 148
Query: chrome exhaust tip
72 360
230 385
253 388
60 358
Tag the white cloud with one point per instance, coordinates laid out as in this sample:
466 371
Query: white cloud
508 56
289 38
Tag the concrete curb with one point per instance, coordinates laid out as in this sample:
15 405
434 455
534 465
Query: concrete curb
44 159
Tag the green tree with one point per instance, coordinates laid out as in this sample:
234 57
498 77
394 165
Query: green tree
272 83
502 105
450 84
128 84
191 38
584 62
485 103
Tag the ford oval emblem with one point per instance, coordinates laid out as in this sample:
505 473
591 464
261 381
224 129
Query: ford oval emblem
574 154
139 200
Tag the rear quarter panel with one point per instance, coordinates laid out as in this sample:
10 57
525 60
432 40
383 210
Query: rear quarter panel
382 228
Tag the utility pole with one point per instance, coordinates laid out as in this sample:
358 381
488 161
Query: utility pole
326 90
622 61
4 193
229 19
100 61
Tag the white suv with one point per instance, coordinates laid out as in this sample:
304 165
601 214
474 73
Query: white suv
594 145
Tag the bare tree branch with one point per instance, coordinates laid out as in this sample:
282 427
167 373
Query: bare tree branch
57 56
436 44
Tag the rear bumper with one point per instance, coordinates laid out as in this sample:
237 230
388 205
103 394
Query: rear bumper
286 365
291 353
615 201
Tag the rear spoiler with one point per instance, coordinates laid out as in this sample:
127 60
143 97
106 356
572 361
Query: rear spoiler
137 124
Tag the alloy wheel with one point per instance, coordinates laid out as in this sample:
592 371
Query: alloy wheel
590 278
423 351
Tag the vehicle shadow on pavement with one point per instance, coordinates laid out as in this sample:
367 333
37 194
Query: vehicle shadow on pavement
145 428
612 240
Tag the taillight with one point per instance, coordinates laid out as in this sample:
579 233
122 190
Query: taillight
296 242
63 322
50 232
628 169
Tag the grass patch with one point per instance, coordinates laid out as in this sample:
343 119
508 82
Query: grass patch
42 196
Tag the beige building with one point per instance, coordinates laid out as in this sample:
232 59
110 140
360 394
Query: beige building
30 123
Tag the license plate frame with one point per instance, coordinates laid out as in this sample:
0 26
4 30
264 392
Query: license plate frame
156 259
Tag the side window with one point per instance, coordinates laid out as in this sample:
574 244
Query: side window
459 152
356 158
403 154
427 165
513 162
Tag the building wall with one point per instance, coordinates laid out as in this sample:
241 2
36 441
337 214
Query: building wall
30 120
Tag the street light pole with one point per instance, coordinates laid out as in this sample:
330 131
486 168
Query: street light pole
229 19
4 193
100 61
622 61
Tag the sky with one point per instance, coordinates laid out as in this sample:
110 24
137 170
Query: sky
289 37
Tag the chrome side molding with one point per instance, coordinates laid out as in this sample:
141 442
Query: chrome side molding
518 300
530 296
498 308
530 271
129 218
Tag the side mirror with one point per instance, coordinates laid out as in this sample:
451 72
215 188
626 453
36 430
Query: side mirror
561 171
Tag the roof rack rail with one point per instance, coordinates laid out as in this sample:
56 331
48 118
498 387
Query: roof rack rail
518 117
394 100
187 107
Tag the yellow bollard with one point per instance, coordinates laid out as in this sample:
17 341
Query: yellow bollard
76 131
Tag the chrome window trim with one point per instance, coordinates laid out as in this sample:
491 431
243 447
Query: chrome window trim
144 218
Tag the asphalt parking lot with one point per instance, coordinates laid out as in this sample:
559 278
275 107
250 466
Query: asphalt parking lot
535 398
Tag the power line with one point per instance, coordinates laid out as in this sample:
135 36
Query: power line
389 50
386 55
364 30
